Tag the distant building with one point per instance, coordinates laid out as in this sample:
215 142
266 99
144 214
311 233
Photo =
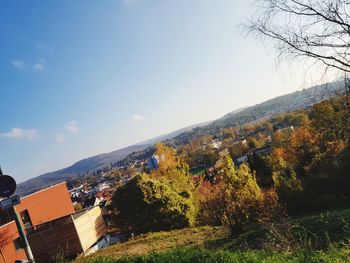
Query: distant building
265 149
282 128
240 140
241 160
153 162
216 144
101 187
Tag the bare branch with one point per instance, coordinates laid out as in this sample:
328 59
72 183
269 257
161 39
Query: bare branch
319 30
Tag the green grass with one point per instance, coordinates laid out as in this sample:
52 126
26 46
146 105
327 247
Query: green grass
313 238
193 255
160 241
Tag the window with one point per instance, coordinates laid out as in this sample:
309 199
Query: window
27 222
17 243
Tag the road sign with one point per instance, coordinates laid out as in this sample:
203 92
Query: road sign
10 202
7 186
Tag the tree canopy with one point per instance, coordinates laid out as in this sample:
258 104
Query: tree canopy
161 200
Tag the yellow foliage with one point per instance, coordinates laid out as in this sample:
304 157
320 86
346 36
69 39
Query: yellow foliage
173 168
241 194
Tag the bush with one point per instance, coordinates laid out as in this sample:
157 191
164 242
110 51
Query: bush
149 204
212 207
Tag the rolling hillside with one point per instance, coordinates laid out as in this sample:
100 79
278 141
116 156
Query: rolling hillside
285 103
85 165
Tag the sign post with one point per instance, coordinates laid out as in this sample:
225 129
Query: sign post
7 188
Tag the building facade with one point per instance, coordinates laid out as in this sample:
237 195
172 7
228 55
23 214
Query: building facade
36 209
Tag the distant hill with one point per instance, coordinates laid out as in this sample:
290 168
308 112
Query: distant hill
286 103
92 164
174 133
86 165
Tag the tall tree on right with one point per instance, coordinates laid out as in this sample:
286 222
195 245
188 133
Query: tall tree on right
308 28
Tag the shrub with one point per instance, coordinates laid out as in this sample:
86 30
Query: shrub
149 204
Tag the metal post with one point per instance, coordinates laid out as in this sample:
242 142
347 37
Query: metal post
24 240
22 235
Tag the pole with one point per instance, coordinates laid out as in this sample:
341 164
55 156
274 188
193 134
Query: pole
22 235
24 240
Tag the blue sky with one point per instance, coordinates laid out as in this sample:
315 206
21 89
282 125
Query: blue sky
79 78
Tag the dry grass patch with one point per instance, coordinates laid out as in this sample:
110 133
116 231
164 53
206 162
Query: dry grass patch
159 241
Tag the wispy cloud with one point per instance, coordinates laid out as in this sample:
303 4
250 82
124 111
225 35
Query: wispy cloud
19 133
19 64
137 118
38 66
60 137
72 126
48 48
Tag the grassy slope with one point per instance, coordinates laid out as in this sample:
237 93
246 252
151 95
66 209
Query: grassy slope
160 241
220 256
208 244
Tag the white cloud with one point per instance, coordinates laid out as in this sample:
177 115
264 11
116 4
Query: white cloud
60 138
38 66
19 133
137 118
72 126
18 64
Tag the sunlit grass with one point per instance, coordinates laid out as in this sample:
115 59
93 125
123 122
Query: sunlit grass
315 238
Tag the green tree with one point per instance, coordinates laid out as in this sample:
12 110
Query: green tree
331 118
116 174
173 168
163 200
242 195
149 204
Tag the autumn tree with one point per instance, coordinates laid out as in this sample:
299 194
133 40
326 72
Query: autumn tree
173 168
332 120
306 163
116 174
241 194
228 133
162 200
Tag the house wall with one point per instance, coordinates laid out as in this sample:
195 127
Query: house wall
43 206
55 239
9 251
48 204
90 226
68 236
